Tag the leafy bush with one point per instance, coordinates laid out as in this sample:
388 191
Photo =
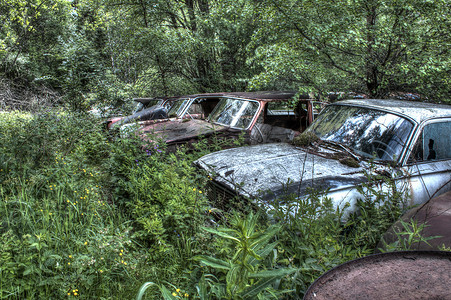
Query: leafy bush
164 198
247 271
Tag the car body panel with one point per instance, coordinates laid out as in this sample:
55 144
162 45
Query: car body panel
417 111
433 216
427 180
267 171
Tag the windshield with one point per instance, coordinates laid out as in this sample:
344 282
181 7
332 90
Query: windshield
178 107
234 112
367 132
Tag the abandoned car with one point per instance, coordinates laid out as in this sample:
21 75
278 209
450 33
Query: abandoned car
407 141
262 117
145 109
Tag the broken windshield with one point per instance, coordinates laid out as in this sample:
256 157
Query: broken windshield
234 112
368 132
178 107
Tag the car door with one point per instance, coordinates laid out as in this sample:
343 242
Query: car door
428 168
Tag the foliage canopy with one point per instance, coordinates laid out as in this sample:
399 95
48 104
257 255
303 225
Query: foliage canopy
107 50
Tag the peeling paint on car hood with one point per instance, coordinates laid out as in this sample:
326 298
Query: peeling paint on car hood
179 129
273 169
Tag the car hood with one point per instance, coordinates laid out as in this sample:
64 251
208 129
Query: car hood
177 130
271 170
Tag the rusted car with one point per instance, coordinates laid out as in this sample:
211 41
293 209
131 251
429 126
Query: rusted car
407 141
262 117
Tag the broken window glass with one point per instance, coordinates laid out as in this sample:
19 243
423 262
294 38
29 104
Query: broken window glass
432 144
234 112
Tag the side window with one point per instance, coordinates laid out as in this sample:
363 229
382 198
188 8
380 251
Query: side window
282 114
434 143
279 108
195 108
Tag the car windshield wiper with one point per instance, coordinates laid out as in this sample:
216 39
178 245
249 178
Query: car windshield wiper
345 148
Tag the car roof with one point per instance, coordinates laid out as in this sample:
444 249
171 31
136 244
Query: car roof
263 95
146 100
418 111
267 96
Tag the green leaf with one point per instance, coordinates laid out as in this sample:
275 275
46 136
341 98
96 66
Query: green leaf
266 236
166 293
254 290
275 273
220 233
263 253
202 289
213 262
143 289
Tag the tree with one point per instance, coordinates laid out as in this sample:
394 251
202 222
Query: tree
378 46
30 37
176 47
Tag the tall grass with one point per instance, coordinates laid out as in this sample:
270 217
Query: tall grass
65 229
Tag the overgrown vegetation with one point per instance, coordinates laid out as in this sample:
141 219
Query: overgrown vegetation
87 216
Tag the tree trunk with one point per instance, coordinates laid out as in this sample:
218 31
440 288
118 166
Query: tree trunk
371 65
